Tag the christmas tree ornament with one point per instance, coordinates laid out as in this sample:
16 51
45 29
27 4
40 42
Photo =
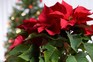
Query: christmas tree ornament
12 18
30 6
18 30
38 12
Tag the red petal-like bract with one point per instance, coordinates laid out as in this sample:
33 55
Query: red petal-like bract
17 41
56 20
81 15
29 25
59 17
89 31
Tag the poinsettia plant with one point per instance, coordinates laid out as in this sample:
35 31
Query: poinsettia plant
59 34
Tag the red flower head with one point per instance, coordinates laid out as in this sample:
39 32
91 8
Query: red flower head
89 30
17 41
81 15
53 19
29 25
48 23
65 11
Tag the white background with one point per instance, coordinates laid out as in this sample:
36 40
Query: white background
6 9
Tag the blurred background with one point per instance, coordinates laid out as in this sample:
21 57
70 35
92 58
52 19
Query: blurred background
5 12
6 9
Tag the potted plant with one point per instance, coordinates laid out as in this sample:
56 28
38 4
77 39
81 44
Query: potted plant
59 34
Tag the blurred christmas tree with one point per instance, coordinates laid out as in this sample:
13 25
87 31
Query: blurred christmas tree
24 9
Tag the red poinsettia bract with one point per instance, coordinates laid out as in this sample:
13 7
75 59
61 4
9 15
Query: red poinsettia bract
54 19
17 41
81 15
59 17
89 30
29 25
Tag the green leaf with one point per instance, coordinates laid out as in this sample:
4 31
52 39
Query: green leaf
26 54
89 49
19 49
31 54
33 35
20 60
81 57
85 38
71 59
51 54
11 59
41 59
75 41
32 59
15 59
56 43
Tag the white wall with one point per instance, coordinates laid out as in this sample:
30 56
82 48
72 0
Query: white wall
5 10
